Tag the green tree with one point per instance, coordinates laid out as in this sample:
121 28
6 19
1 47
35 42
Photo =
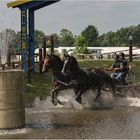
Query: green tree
90 34
81 45
39 35
66 38
112 39
136 34
56 40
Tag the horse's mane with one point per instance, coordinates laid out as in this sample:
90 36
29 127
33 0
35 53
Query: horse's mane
57 58
74 61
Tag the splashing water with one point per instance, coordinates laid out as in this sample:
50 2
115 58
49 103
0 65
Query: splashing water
14 131
107 100
5 40
68 98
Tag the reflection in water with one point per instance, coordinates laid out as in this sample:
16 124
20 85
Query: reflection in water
46 121
70 123
32 101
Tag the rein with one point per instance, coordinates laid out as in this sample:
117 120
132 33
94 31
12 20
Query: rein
63 83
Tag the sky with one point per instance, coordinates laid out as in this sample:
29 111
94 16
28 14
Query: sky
76 15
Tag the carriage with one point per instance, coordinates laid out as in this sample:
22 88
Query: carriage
129 78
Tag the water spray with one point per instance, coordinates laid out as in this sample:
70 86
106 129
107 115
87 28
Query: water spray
5 40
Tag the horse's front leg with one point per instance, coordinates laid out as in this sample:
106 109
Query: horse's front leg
55 93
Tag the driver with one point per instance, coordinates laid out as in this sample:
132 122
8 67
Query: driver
120 68
125 68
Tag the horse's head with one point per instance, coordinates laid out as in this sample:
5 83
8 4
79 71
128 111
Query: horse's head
70 64
46 63
52 62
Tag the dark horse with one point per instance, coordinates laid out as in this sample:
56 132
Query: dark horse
60 81
83 80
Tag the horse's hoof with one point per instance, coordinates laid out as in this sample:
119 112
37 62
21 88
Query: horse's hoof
79 100
59 102
54 102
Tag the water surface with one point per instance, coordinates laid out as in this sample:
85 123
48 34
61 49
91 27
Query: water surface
43 120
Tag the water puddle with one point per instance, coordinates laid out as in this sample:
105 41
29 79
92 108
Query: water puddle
112 117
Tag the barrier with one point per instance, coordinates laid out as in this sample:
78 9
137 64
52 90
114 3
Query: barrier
12 108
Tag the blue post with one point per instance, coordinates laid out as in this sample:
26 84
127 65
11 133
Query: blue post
23 38
31 39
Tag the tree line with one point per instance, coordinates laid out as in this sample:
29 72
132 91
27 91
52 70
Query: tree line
89 37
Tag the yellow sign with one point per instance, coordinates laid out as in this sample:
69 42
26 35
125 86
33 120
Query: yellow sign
24 30
23 44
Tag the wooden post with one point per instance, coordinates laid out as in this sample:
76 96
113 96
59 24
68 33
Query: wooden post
52 45
44 48
40 60
130 50
130 47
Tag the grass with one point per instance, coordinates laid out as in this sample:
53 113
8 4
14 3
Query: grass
42 83
107 64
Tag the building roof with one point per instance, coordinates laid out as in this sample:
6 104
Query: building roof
17 3
30 4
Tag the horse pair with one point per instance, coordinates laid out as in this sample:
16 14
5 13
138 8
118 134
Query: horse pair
67 74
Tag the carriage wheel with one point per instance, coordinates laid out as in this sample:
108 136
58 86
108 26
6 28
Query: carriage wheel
130 78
